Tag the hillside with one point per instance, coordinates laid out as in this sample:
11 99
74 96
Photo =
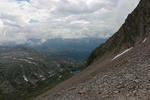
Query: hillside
118 69
124 78
25 72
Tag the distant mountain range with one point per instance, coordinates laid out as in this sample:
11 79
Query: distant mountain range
79 44
78 49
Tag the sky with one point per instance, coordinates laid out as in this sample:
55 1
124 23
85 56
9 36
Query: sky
21 20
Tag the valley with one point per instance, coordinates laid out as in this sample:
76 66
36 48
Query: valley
25 72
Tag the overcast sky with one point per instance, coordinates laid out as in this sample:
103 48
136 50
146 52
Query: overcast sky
21 20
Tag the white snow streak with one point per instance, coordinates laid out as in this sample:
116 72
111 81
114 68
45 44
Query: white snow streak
144 40
27 61
122 53
30 58
25 78
41 76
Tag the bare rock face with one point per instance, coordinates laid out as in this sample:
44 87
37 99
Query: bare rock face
132 32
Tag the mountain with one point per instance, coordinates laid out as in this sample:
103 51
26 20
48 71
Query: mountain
118 69
78 49
81 44
59 52
85 44
24 72
135 29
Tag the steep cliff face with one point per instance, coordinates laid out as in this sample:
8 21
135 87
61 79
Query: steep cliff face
132 32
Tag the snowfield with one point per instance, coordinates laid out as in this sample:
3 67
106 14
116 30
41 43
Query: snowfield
144 40
25 78
122 53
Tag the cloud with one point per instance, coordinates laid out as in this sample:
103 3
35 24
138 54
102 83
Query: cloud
21 20
83 6
24 0
1 25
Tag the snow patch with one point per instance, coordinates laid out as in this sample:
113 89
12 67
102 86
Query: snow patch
41 76
27 61
51 74
122 53
43 79
30 58
25 78
144 40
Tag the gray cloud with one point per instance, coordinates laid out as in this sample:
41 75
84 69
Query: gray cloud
21 20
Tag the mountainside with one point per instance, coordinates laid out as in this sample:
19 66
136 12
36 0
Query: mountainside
119 69
24 71
125 78
132 32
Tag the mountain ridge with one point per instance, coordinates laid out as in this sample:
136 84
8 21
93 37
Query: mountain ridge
132 32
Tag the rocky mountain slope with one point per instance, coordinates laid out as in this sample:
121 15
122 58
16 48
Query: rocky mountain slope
132 32
118 69
126 78
24 71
